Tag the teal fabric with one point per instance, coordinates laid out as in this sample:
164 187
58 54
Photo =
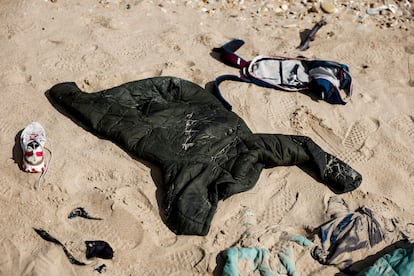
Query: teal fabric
301 240
398 263
286 258
259 260
255 256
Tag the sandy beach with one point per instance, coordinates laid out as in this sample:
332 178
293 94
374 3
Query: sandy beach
100 44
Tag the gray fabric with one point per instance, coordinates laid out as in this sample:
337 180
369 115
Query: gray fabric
275 72
352 236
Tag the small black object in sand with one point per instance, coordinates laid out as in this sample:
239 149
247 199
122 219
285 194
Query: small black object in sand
310 36
100 249
80 212
100 268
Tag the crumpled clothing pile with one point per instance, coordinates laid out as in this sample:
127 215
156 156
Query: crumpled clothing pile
345 241
351 236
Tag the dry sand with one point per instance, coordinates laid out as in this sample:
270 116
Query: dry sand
101 44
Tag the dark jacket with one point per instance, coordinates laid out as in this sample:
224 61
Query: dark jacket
206 153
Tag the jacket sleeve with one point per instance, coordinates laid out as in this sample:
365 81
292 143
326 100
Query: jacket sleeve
285 150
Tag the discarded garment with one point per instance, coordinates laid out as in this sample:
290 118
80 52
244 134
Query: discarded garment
352 236
399 262
245 261
206 153
248 260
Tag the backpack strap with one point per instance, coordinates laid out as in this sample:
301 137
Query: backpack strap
217 92
229 57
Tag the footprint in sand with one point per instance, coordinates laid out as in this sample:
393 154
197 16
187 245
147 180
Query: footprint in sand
228 232
145 211
354 140
180 261
117 226
403 123
280 108
279 204
359 132
50 260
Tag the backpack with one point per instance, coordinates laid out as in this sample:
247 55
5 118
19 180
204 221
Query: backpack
326 80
